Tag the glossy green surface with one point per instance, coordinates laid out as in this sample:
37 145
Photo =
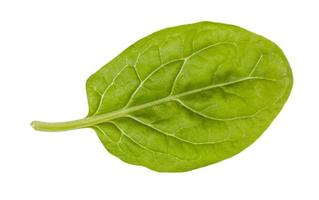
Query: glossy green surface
186 97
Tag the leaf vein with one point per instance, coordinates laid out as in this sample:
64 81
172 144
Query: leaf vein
213 118
255 66
107 88
141 145
171 135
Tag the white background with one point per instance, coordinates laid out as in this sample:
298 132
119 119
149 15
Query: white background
49 48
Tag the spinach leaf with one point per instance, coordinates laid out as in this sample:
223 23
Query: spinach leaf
185 97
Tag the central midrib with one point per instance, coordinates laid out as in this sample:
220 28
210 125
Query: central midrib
96 119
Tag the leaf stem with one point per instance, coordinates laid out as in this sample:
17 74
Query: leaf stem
61 126
74 124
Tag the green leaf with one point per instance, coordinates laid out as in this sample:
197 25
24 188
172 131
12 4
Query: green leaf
185 97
